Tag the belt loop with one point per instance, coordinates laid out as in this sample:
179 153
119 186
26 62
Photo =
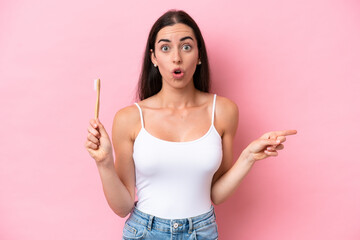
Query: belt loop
150 222
190 225
213 211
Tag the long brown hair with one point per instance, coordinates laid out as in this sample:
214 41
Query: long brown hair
150 81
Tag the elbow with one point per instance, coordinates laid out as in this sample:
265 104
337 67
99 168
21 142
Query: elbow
215 201
122 214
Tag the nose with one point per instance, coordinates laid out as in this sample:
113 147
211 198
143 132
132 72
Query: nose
177 57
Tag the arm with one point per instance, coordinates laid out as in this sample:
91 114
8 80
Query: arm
226 123
228 177
117 179
115 191
226 185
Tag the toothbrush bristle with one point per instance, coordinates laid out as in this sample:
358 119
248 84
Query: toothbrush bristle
95 84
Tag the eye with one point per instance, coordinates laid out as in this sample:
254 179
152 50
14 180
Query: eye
165 48
186 47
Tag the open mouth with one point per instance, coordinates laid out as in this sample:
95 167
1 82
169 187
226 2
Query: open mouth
178 73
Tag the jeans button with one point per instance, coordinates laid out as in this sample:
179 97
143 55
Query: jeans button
176 225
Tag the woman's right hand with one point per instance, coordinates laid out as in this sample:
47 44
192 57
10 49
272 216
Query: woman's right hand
98 142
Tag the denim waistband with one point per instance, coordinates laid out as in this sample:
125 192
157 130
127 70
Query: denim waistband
172 225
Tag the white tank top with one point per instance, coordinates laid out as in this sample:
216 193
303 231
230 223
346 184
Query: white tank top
173 179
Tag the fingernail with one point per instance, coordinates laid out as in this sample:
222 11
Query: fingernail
278 141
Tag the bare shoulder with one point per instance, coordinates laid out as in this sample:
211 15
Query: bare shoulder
126 121
226 107
227 115
127 114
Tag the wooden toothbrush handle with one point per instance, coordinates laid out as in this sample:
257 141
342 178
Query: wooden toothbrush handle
97 106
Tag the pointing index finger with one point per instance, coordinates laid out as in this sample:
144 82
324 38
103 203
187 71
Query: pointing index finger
285 132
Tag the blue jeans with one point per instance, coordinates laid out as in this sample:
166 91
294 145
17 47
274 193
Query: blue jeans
141 225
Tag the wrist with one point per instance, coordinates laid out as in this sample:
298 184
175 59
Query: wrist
246 157
107 162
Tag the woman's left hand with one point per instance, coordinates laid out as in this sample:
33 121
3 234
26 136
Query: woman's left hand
267 145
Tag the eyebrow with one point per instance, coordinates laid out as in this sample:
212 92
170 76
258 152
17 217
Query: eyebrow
182 39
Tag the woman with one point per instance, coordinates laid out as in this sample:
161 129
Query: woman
175 145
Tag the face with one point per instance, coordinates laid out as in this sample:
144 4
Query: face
176 54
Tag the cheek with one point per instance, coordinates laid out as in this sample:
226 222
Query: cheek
195 57
161 69
162 60
163 66
193 61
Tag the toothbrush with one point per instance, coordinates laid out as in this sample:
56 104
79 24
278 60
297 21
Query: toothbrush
97 89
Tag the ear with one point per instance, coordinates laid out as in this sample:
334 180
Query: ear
153 58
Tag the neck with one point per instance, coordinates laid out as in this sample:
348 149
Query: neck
177 98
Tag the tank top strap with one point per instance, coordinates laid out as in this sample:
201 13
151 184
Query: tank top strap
141 115
213 111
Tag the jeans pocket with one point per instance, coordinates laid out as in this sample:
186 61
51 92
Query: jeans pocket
133 231
207 232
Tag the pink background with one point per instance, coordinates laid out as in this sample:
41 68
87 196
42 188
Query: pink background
287 64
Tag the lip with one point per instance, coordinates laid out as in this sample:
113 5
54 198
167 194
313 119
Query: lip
178 76
177 69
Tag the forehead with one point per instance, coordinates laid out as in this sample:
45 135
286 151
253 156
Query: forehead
175 31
